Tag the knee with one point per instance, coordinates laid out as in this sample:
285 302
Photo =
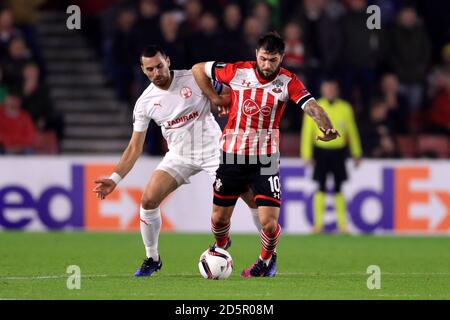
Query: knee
269 225
220 218
149 202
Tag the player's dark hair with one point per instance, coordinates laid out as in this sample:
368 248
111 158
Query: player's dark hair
271 42
151 51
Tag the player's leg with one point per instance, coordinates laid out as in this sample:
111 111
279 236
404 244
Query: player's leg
161 184
159 187
340 175
210 166
220 225
265 266
341 208
269 235
320 176
230 183
319 204
168 176
268 199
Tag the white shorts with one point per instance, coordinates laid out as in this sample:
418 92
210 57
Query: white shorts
181 169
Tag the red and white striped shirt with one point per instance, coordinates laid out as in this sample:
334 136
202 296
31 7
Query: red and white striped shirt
256 106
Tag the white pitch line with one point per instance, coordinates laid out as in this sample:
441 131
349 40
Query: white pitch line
50 277
363 274
306 274
332 295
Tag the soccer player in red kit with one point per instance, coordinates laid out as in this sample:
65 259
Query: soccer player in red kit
250 140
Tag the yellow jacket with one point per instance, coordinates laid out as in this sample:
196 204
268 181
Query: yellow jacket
341 115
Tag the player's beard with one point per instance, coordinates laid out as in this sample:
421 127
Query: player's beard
271 75
161 81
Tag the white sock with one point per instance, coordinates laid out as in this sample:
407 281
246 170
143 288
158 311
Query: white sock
150 231
255 217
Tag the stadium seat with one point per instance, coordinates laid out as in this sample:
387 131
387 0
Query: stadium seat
46 143
406 145
434 146
290 145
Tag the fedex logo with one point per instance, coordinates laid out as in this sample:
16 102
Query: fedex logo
407 200
20 209
120 209
382 196
16 198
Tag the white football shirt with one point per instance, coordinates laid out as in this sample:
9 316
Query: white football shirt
184 114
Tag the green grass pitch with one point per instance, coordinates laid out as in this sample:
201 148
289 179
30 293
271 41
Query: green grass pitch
33 266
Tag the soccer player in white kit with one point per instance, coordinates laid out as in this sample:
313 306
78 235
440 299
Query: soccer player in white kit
175 102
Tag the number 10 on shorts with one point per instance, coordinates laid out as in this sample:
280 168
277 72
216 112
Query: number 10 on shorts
275 186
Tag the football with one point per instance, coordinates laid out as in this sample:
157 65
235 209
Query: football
216 264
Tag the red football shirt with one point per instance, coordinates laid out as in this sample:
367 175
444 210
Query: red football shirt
256 106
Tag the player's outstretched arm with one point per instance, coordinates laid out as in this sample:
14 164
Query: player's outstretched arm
204 83
129 157
320 117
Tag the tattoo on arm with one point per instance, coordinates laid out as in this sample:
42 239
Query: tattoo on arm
318 114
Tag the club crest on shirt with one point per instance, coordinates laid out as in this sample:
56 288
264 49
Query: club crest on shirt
217 184
186 92
278 84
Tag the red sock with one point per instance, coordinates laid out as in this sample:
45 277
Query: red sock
220 233
269 242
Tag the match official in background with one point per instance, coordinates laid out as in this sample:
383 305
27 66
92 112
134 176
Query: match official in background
329 157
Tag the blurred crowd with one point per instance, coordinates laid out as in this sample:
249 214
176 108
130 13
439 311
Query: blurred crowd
26 112
397 78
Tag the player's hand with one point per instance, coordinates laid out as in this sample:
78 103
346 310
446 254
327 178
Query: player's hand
328 134
357 162
223 104
104 187
223 111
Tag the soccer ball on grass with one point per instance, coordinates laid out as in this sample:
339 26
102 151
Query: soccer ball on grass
215 263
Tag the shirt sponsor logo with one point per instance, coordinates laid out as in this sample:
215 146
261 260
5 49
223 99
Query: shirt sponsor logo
266 111
181 120
251 108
